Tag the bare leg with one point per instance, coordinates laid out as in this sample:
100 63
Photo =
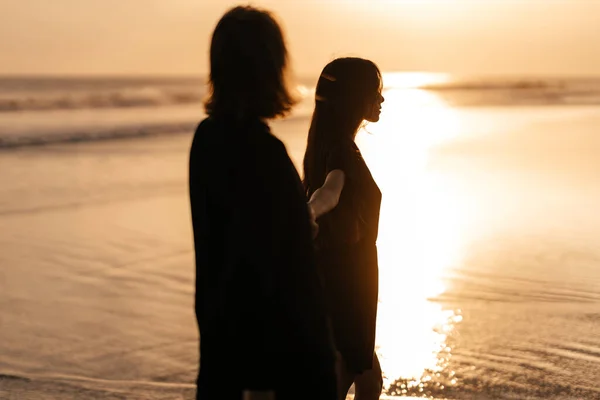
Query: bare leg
369 384
345 377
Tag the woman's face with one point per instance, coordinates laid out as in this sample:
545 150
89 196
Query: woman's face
374 108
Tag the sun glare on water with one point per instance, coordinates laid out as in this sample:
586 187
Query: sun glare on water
419 228
413 80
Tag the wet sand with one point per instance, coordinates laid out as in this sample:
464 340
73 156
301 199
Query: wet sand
489 263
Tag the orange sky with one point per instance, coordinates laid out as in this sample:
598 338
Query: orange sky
171 36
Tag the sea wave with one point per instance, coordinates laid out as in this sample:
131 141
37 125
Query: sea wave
88 135
48 94
37 94
118 98
40 136
518 92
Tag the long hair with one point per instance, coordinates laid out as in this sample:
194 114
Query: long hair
248 66
345 90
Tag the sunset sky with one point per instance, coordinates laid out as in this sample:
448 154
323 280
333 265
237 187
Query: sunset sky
526 37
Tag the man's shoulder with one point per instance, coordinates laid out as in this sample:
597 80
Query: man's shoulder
246 140
207 136
204 128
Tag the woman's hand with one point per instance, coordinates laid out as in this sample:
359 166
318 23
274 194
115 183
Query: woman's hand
313 222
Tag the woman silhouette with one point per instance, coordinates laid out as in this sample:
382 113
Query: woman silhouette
345 199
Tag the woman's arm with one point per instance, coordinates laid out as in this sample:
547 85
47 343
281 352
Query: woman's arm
326 198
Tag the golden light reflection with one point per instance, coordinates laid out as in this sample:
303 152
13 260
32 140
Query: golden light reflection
413 80
419 237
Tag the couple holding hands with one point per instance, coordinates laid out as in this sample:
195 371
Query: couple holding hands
285 311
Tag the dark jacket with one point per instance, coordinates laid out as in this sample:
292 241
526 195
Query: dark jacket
259 301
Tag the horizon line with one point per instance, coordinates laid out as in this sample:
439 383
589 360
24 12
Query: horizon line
204 75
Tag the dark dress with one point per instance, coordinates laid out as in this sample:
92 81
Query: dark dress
347 258
259 301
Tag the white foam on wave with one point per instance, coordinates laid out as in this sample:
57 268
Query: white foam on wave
31 128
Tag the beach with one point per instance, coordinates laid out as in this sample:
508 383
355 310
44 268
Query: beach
489 243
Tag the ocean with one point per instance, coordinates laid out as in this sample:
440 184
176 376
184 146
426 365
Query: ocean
489 239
